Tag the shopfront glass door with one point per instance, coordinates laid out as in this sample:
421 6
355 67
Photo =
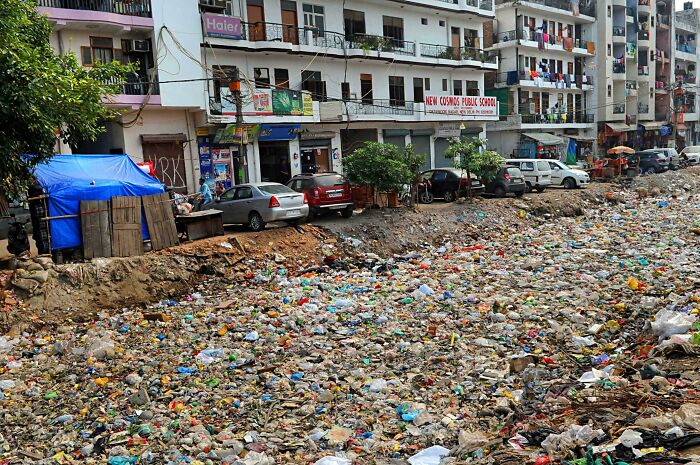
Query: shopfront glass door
315 160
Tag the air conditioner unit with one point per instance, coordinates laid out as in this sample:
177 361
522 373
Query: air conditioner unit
140 46
213 5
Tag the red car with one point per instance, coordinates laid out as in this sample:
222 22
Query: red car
326 192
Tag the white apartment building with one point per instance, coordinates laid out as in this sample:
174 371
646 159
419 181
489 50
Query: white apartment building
686 27
544 83
322 77
157 119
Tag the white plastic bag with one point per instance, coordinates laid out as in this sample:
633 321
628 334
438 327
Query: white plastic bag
430 456
668 322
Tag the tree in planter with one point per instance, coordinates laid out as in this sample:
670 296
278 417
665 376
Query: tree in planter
468 154
384 167
43 95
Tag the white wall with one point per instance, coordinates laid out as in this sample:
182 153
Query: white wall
182 19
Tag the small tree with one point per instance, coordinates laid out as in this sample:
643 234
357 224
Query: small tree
43 95
468 154
382 166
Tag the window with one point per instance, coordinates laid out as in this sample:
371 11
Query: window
609 50
243 193
228 195
314 18
569 68
424 21
427 84
440 175
397 96
609 11
312 83
457 87
101 50
345 90
354 23
609 90
473 88
393 27
444 85
366 88
261 76
442 23
527 166
542 165
418 94
282 78
221 80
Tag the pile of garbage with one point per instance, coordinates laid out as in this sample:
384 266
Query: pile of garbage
572 341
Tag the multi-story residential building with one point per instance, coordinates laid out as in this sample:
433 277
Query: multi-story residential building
544 83
684 99
321 77
157 120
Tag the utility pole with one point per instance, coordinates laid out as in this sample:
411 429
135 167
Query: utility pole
234 86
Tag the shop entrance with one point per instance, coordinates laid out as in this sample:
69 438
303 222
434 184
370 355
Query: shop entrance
274 162
315 160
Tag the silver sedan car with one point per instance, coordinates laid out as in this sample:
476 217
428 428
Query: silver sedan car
260 203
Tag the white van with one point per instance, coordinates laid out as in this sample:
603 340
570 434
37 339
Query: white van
538 174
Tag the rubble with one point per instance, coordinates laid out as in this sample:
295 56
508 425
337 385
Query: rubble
536 340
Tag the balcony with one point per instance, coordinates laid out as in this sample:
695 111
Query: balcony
466 6
663 21
545 80
688 52
133 91
558 118
588 10
555 43
618 68
456 53
618 31
619 109
380 107
644 6
289 38
631 88
121 7
643 108
643 70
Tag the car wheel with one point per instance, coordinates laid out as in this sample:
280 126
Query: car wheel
540 189
347 212
255 222
499 191
528 187
292 222
519 193
311 215
649 170
450 196
426 197
569 183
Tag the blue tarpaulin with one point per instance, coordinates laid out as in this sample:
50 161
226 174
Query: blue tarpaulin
68 179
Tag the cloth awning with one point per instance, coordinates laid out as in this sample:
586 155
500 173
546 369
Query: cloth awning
618 127
681 127
582 138
653 125
545 138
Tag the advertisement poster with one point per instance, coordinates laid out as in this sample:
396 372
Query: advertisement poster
205 161
222 176
266 102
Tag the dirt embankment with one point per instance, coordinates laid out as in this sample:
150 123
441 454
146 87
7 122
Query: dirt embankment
79 291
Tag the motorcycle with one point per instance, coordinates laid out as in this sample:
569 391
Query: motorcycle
17 237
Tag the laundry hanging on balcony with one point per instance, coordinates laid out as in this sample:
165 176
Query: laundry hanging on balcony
575 7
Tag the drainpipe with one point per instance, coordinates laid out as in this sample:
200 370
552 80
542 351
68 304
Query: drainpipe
59 37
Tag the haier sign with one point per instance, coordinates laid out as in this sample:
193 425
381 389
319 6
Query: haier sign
222 26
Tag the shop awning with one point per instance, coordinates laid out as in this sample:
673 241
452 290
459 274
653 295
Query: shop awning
653 125
582 138
618 127
544 138
681 127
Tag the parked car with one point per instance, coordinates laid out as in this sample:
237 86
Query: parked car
692 154
508 180
326 192
538 174
450 183
570 178
674 159
260 203
649 162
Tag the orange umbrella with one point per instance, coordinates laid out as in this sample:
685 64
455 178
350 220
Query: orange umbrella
620 149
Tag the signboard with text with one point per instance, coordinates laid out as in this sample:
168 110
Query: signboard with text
228 27
268 102
461 105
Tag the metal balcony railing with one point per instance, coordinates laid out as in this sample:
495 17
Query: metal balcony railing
618 31
557 118
380 107
456 53
618 67
642 108
135 85
643 70
687 48
564 80
122 7
619 109
381 44
643 35
586 8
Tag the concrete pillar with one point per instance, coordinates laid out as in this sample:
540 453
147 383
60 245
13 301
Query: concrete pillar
295 162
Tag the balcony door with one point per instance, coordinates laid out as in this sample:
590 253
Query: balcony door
290 25
256 20
456 43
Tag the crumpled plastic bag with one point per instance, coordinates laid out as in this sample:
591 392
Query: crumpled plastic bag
631 438
430 456
668 322
332 461
575 436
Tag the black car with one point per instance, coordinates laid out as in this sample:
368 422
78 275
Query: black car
508 180
648 162
448 184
